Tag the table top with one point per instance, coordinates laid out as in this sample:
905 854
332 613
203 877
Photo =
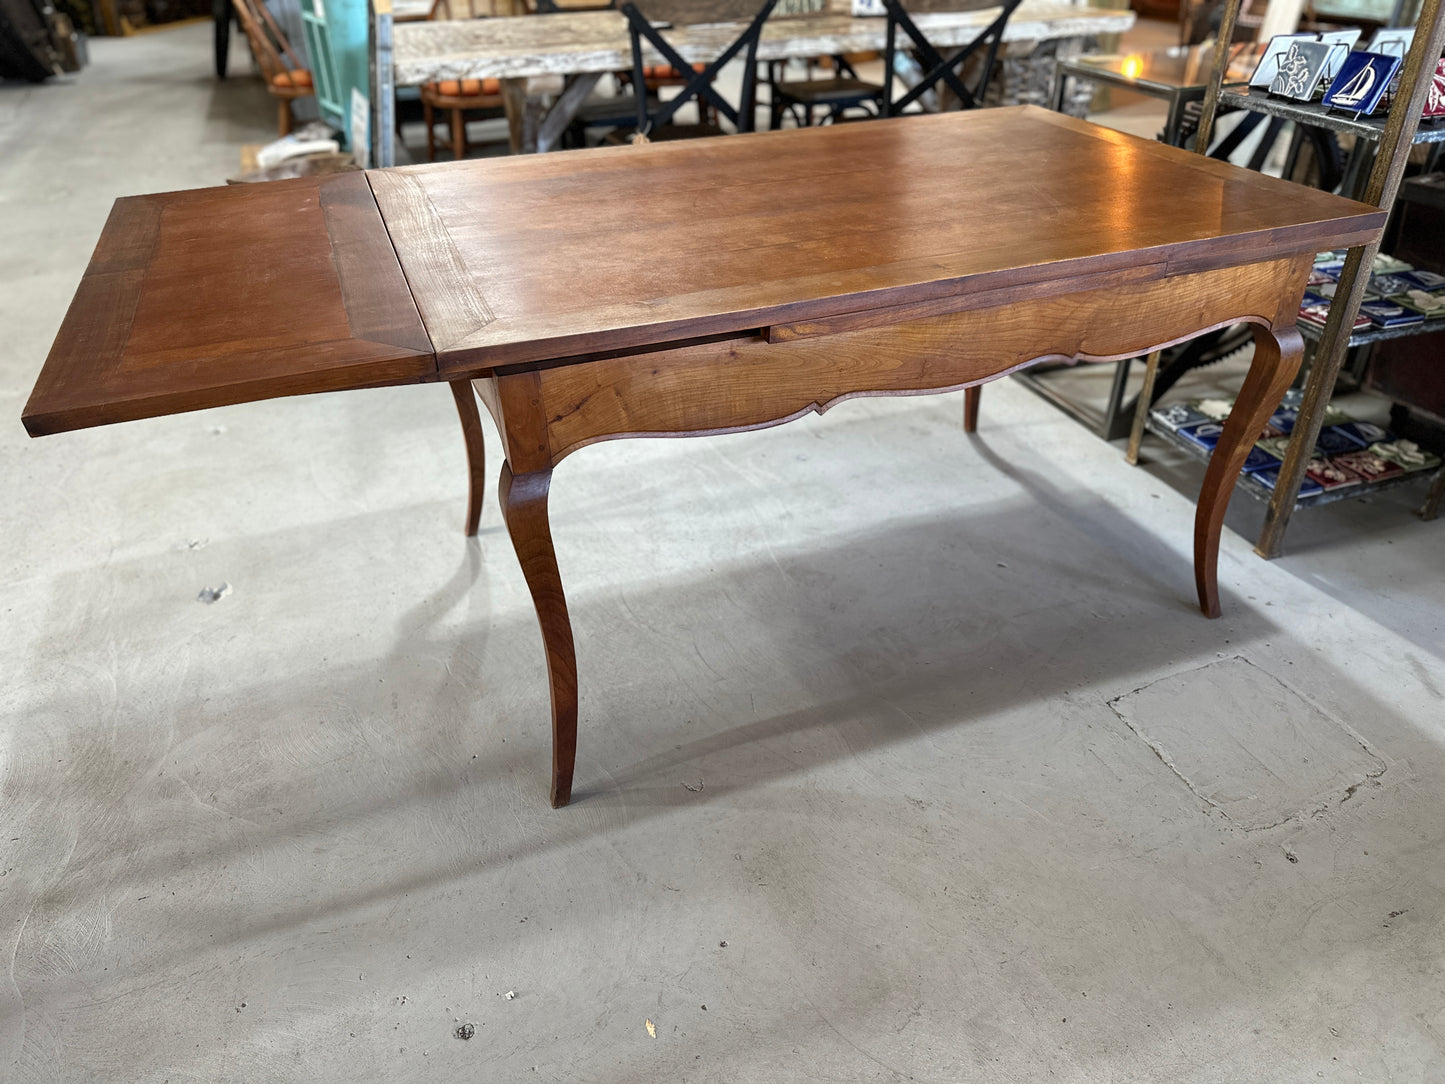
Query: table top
1180 67
597 41
224 295
610 249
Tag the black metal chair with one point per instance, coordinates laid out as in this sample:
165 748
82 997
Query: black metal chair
936 68
846 91
835 95
655 117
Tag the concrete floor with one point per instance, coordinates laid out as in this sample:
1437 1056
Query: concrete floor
904 755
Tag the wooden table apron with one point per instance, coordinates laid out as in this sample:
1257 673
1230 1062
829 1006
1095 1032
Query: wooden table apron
779 304
547 412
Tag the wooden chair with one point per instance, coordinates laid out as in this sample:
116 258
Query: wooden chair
654 117
846 91
458 96
286 77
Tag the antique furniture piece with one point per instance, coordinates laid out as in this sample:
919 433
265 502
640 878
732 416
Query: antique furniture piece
286 77
785 297
582 46
455 97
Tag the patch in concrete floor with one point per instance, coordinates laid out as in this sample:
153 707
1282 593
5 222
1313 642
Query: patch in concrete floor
1247 744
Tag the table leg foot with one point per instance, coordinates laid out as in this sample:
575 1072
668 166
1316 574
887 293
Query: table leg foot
970 408
1277 357
524 508
466 401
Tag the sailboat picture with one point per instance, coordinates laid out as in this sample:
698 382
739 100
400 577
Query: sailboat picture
1362 82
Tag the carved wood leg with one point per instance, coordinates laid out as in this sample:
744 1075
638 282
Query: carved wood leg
466 402
524 508
970 408
1277 357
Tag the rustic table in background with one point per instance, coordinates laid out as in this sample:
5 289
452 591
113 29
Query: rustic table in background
582 46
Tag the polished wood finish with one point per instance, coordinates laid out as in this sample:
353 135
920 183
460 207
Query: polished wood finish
754 279
731 384
1277 354
524 508
970 408
818 224
471 420
227 295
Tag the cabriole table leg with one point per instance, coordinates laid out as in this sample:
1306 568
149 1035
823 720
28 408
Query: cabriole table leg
471 418
1277 356
524 508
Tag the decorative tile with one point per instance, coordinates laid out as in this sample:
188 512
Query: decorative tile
1362 82
1176 415
1389 314
1435 96
1368 465
1300 70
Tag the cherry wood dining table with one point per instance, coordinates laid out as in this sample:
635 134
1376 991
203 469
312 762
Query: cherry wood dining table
705 286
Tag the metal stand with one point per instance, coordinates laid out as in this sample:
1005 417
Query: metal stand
1383 186
1381 189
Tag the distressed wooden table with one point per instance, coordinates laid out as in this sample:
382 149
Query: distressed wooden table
752 280
582 46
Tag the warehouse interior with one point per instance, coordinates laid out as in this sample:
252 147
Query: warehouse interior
904 753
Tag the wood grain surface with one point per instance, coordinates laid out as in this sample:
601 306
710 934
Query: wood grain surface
226 295
739 384
622 248
695 287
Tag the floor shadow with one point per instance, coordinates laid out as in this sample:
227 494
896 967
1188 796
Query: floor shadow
959 617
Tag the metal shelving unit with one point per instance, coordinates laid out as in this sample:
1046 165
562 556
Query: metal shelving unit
1371 126
1394 134
1251 485
1366 335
